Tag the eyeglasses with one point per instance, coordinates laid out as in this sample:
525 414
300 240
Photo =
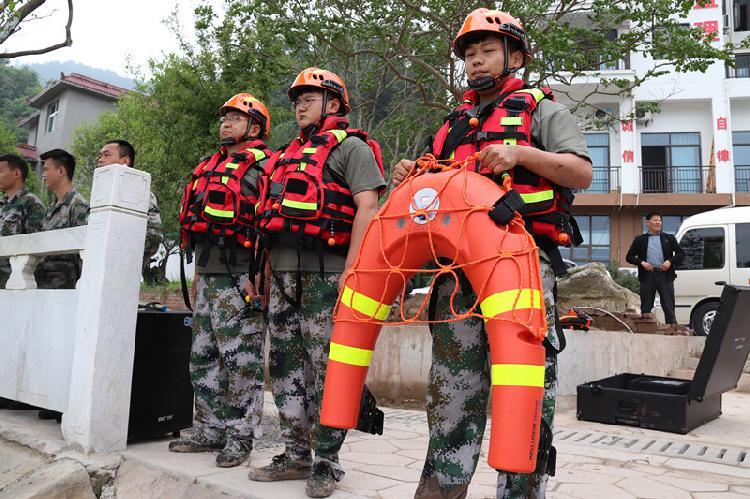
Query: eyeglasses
304 102
231 118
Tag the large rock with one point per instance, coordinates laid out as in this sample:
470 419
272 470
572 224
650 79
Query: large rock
590 285
63 478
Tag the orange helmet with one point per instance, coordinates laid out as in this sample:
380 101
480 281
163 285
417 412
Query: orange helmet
492 21
320 78
246 103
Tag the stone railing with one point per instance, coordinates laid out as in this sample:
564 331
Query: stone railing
71 350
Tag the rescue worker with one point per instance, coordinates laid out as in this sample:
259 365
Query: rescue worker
68 210
122 152
524 132
218 224
21 212
313 239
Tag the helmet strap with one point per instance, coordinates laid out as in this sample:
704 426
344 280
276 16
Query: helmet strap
488 82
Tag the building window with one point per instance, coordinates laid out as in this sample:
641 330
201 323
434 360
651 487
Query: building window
595 246
598 144
661 41
52 110
742 245
741 67
704 249
671 162
741 14
741 146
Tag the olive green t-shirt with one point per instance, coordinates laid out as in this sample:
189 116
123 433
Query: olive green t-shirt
556 130
353 161
215 264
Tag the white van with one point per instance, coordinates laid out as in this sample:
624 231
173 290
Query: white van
717 250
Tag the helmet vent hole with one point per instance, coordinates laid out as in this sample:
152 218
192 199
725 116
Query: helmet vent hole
490 20
497 20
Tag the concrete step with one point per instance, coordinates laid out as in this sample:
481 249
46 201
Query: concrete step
692 363
743 385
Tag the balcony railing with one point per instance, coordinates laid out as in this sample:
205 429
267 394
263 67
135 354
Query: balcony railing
676 179
605 179
741 67
742 178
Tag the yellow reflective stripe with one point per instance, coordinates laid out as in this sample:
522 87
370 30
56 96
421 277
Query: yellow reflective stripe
510 142
302 166
219 213
299 204
513 299
350 355
512 120
453 155
517 375
257 153
231 166
538 197
535 92
195 184
309 150
340 134
224 180
364 304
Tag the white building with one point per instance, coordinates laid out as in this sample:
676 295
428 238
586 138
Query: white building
692 156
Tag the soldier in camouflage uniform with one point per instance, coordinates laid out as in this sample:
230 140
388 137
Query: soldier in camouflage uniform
304 288
121 152
493 46
68 210
226 362
21 212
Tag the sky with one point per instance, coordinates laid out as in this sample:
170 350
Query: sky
106 33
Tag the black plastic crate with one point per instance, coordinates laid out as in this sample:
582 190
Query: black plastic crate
671 404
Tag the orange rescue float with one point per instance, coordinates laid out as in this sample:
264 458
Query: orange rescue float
445 215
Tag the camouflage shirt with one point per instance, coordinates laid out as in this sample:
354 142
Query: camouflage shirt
154 234
21 213
72 211
62 271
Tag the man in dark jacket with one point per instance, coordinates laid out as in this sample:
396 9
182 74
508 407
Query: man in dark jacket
656 254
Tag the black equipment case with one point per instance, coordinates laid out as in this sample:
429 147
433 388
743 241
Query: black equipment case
161 400
678 405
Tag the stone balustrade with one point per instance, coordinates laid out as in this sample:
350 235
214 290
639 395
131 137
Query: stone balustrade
71 350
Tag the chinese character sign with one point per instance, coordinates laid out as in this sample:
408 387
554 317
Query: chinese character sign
711 28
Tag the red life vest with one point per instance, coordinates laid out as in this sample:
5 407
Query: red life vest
508 121
307 204
214 209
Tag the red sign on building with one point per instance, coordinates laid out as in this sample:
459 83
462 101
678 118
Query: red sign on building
721 123
707 4
711 28
722 155
627 126
628 156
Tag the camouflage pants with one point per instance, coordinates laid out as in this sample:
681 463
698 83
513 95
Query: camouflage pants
457 395
300 340
226 363
58 272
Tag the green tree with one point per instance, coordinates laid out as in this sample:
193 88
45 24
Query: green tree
17 85
17 14
7 140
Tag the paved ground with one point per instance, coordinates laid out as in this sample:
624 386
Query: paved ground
594 461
